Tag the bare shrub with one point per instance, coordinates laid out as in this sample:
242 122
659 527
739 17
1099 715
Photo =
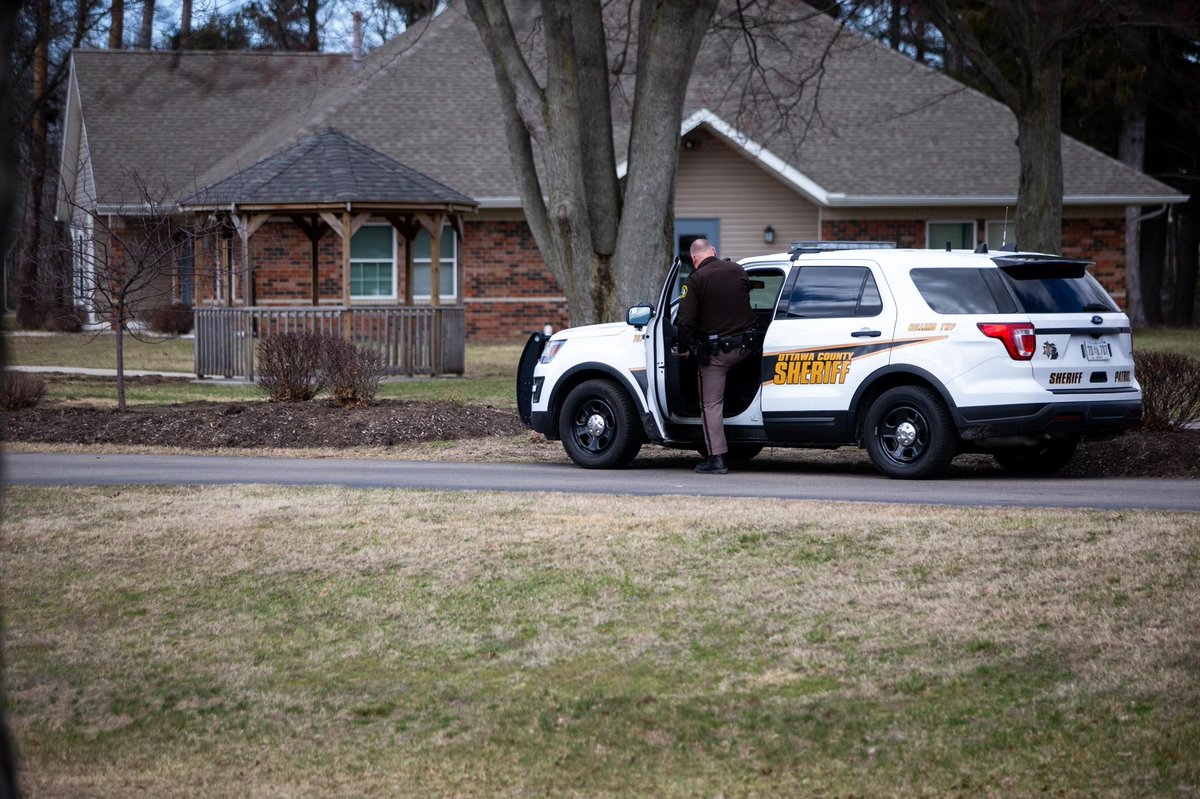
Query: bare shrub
352 373
173 319
21 390
63 319
1170 389
291 366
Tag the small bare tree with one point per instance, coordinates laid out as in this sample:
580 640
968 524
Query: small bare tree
129 264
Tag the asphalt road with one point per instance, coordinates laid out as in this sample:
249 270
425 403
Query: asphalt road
998 490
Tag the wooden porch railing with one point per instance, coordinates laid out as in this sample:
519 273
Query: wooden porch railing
413 341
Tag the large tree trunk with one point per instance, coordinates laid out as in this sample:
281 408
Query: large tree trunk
1039 142
669 38
8 182
30 294
605 249
1187 264
1153 258
185 24
116 31
311 9
146 33
1131 149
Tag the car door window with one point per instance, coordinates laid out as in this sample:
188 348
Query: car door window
826 292
764 288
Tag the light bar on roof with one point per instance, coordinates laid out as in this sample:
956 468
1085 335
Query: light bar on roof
832 246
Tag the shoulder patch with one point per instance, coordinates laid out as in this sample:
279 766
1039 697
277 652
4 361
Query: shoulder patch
683 291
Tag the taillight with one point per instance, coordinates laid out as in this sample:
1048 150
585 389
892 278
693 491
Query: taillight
1019 337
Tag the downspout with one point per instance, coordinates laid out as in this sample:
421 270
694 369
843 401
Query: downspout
1151 214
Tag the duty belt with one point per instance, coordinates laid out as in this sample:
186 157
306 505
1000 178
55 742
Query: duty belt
744 340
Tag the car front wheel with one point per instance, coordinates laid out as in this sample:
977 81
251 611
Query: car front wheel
909 433
598 426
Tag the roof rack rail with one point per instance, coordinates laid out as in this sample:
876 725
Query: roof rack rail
799 247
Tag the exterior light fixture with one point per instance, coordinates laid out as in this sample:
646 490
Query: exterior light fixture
768 235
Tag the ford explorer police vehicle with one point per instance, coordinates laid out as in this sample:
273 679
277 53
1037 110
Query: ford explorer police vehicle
917 355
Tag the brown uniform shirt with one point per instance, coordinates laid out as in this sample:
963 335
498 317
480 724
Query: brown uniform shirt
714 299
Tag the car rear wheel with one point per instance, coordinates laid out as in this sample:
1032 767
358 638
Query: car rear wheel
599 427
909 433
1048 457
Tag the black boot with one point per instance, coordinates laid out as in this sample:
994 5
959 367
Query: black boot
714 465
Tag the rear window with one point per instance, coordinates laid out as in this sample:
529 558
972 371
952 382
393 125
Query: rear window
963 291
1057 289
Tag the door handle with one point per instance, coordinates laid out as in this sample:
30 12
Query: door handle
864 333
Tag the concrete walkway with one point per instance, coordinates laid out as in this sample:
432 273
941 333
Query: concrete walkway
81 370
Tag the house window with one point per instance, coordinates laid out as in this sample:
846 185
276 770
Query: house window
960 235
996 234
447 265
373 263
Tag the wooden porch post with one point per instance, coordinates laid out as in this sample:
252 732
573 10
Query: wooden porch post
347 332
433 223
312 228
246 225
407 227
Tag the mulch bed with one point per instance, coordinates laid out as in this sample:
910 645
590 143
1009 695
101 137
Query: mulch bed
209 425
319 424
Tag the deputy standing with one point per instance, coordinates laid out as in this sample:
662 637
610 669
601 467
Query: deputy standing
716 321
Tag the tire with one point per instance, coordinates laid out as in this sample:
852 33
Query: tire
1049 457
909 434
598 425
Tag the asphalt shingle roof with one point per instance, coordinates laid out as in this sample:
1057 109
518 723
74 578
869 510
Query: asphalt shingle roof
325 167
165 118
884 125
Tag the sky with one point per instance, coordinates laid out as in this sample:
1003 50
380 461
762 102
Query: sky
336 18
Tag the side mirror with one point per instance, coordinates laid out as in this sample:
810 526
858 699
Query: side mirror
639 315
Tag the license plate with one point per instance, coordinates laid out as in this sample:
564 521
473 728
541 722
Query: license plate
1097 350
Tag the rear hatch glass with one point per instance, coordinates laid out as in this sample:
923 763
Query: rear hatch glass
1083 339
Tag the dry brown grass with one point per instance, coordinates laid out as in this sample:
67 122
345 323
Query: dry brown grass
284 642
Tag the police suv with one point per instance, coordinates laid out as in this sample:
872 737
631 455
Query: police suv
917 355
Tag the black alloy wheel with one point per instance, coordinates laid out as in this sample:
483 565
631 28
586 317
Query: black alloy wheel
598 426
909 433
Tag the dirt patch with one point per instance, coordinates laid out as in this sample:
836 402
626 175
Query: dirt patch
398 425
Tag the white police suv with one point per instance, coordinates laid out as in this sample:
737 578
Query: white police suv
917 355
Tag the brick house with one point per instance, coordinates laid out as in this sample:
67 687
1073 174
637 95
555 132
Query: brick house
900 152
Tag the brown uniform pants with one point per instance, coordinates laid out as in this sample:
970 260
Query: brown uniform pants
712 397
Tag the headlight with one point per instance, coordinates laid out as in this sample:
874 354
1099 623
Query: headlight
552 349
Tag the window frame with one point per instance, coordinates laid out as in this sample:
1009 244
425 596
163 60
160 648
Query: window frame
1012 229
442 264
783 309
373 297
974 238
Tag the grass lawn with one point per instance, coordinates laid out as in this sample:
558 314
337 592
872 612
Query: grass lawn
1171 340
99 351
258 641
490 376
